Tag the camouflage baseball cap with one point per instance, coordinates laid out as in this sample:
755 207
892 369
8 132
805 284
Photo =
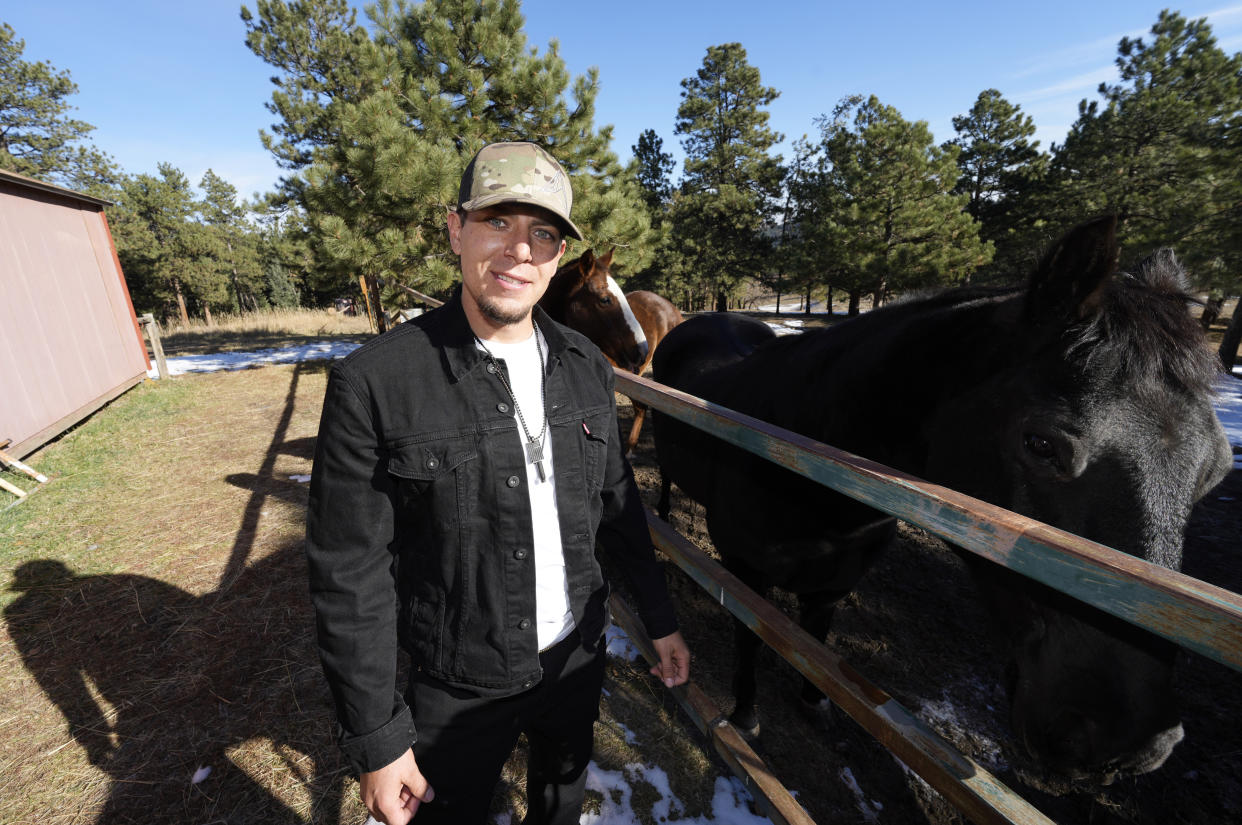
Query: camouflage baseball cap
517 173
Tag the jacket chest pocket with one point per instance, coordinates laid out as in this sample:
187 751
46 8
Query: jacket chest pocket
597 429
436 478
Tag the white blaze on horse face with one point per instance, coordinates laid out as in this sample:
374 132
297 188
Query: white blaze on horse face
640 337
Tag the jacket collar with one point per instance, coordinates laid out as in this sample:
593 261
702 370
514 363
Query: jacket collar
450 332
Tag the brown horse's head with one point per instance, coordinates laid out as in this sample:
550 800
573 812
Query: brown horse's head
584 296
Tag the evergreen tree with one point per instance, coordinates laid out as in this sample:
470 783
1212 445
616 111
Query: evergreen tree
38 138
1001 170
166 255
434 83
1163 152
238 262
798 267
1151 154
892 221
318 46
723 213
652 167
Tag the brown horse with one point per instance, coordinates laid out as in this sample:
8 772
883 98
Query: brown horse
584 296
657 315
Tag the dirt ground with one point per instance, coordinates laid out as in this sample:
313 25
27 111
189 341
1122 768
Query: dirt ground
915 628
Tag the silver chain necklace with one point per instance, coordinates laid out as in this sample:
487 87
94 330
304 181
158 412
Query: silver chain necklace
534 445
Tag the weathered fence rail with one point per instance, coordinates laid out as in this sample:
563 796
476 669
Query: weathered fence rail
1196 615
1192 613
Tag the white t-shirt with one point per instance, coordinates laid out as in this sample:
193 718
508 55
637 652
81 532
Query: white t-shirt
553 617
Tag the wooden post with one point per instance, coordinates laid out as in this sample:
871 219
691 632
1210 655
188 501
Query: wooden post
5 458
381 320
366 301
12 488
157 346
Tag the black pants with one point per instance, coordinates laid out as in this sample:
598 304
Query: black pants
464 740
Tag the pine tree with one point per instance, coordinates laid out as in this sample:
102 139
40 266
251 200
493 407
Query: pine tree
1152 152
1163 153
731 183
435 82
891 220
1001 170
38 138
239 262
318 46
652 167
167 256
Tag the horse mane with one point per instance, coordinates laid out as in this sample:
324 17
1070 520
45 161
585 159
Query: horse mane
1140 330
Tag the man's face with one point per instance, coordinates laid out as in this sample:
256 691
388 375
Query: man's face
509 253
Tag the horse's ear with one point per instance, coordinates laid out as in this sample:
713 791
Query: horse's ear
586 262
1068 281
606 261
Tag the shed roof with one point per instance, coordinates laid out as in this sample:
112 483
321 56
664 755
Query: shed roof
22 180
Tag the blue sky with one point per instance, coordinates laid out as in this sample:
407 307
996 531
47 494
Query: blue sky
174 82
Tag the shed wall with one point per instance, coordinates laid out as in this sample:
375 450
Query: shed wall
68 339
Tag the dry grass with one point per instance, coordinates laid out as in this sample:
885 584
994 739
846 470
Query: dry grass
262 330
156 621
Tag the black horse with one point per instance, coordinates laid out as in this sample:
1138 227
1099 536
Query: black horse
1083 401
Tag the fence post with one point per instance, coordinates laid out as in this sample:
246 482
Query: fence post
157 346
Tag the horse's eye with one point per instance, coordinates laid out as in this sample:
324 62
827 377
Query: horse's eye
605 299
1040 447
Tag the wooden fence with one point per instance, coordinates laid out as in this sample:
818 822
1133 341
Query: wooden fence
1192 613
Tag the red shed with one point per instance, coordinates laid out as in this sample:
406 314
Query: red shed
69 341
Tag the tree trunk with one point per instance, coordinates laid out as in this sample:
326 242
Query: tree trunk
778 302
722 302
1233 337
828 300
806 306
855 301
185 316
1211 311
207 313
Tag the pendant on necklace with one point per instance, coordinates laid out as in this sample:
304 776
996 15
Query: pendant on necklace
534 455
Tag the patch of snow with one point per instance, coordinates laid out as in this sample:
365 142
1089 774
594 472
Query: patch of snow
200 775
618 644
870 810
730 801
213 362
300 478
1229 411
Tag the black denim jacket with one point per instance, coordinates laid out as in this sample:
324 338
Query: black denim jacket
419 524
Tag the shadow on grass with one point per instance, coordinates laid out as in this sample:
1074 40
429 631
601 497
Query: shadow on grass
201 343
157 684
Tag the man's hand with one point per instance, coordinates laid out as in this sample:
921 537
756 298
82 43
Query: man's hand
393 793
674 666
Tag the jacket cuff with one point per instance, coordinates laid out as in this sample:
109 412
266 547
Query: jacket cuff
371 751
659 620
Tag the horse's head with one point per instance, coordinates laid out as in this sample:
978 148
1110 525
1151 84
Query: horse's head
1100 422
583 295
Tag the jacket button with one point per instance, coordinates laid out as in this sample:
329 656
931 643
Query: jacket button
432 463
527 685
512 481
524 624
519 554
502 407
491 368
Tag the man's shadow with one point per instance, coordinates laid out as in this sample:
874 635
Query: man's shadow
157 684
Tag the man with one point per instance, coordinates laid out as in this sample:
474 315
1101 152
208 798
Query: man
466 464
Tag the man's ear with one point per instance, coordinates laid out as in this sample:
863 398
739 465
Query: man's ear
454 230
